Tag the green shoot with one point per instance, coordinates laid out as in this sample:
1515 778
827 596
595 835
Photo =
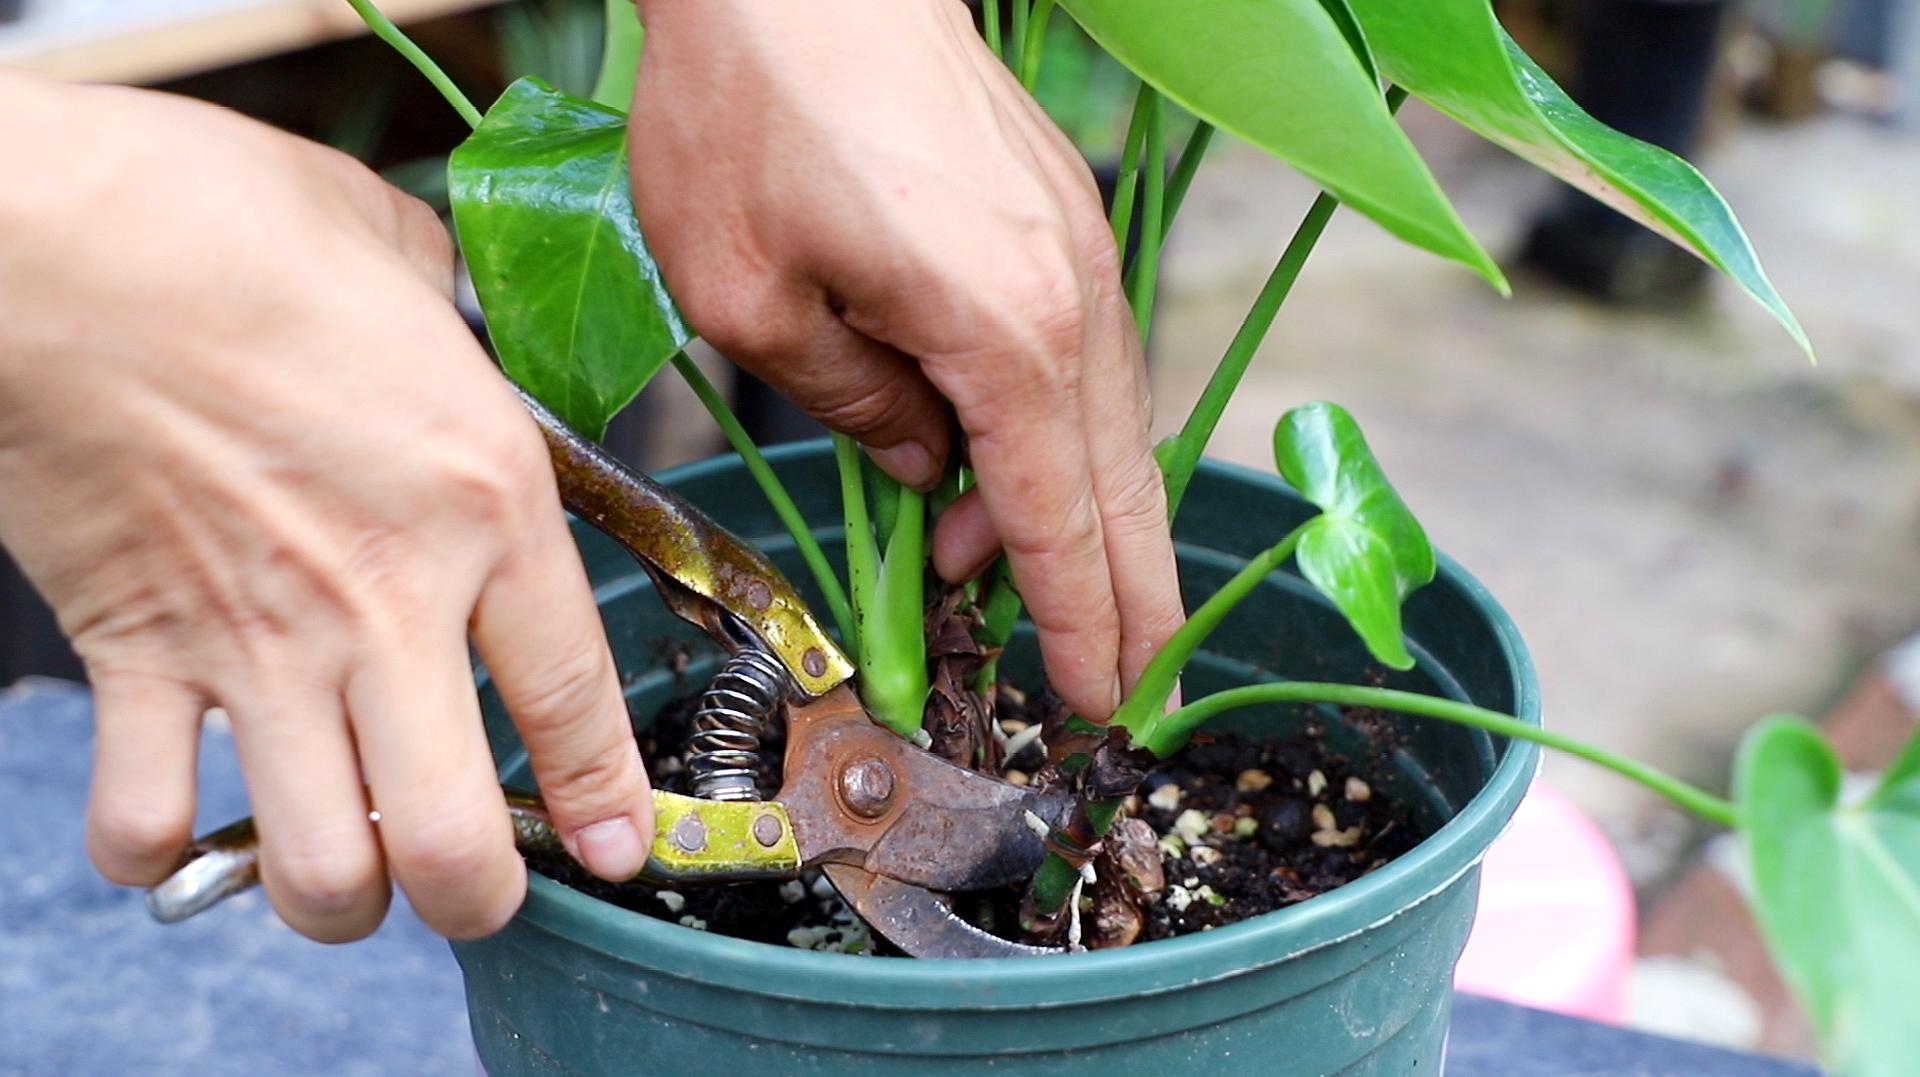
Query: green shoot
384 29
990 26
888 594
776 494
893 641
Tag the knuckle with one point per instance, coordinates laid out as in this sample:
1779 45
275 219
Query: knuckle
135 844
592 786
440 853
1136 501
868 409
564 691
324 886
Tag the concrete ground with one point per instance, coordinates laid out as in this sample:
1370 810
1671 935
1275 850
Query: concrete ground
1691 524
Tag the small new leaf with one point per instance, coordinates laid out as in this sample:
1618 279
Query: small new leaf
544 212
1837 890
1365 550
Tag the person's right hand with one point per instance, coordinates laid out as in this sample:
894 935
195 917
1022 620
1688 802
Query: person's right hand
856 200
254 458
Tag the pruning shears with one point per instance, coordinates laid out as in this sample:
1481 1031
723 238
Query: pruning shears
895 828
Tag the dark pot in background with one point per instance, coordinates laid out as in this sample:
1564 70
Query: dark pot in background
1355 981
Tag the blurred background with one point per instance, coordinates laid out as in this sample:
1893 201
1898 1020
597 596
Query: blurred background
1691 524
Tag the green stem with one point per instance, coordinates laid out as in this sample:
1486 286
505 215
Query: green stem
776 494
863 560
1191 155
384 29
1036 43
1053 883
1143 711
1145 270
1017 35
990 26
1191 442
1120 216
893 641
620 58
1180 455
1178 726
1000 609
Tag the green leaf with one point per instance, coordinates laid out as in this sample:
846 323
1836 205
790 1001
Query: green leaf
1455 56
1282 75
573 300
1365 550
1837 890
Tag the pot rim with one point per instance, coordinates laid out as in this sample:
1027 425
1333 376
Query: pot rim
1163 965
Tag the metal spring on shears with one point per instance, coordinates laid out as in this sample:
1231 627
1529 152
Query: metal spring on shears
724 752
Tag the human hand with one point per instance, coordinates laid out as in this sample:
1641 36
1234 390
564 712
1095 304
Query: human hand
856 201
253 458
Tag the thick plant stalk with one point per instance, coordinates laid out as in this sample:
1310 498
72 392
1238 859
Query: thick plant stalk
893 642
384 29
776 494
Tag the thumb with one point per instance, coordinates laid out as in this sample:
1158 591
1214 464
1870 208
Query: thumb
539 633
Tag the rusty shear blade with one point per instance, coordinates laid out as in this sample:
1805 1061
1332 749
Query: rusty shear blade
919 921
858 794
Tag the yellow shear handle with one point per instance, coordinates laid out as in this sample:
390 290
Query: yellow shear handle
697 841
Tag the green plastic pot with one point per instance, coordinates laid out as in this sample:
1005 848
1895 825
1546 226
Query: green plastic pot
1358 980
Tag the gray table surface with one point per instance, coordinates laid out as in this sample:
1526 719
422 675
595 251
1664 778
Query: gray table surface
88 985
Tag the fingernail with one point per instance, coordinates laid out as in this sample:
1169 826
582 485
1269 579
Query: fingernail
1173 700
910 462
611 849
1118 694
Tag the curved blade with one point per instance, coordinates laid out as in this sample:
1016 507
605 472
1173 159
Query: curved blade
919 921
926 822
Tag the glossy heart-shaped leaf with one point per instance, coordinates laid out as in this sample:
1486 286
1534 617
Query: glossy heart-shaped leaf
1365 550
1282 75
544 212
1455 56
1837 890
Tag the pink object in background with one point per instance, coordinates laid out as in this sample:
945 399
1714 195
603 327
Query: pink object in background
1555 929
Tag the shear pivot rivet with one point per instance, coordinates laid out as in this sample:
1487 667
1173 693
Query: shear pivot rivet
689 835
814 662
767 831
867 786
